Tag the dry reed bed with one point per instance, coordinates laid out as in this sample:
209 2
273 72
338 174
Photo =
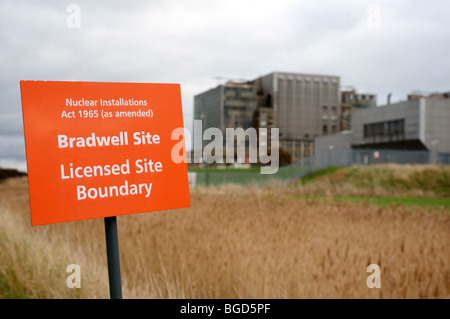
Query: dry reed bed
232 243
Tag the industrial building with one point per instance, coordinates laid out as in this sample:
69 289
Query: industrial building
421 123
351 100
302 106
228 105
231 105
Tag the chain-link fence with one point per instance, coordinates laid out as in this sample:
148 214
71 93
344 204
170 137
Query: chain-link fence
330 158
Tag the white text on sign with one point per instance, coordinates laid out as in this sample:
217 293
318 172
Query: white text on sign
139 138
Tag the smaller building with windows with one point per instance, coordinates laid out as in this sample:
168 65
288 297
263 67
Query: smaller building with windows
417 124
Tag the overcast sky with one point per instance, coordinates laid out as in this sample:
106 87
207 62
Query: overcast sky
375 46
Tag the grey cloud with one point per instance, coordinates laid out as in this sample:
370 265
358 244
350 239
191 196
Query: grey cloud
189 42
12 147
11 124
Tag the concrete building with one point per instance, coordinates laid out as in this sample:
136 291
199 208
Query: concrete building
351 100
228 105
416 124
302 106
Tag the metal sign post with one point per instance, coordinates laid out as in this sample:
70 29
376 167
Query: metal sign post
112 252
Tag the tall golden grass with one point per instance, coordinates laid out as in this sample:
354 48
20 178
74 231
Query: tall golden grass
232 242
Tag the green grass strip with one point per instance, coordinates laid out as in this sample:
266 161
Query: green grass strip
386 201
322 172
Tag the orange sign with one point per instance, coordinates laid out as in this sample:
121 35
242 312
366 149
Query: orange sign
101 149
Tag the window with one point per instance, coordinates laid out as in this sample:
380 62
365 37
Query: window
324 129
394 128
324 107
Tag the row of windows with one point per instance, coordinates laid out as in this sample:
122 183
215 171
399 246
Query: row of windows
306 136
307 78
307 100
357 96
306 144
332 117
299 155
387 128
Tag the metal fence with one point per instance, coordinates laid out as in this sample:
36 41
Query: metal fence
330 158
